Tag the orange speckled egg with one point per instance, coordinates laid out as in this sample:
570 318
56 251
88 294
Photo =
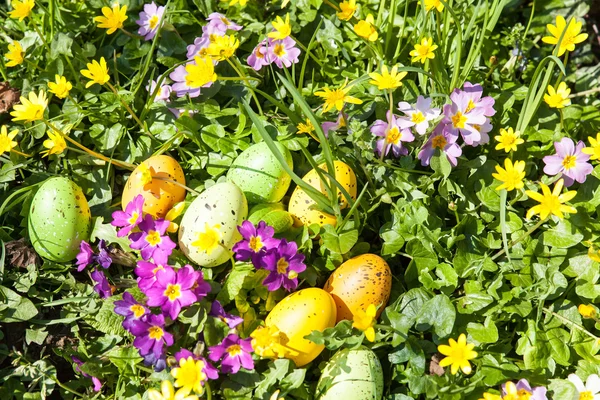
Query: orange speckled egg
360 281
302 207
159 195
299 314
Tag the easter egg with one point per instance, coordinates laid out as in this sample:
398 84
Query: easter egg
351 375
303 208
59 219
148 180
260 176
273 215
208 229
358 282
297 315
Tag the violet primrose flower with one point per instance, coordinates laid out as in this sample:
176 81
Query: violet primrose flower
217 310
152 240
150 20
151 335
259 57
235 353
159 362
285 263
255 241
474 93
334 126
130 309
536 393
419 115
85 256
146 272
462 115
283 52
569 161
130 218
164 93
201 288
200 46
103 258
102 287
218 23
172 290
97 383
393 133
443 140
180 86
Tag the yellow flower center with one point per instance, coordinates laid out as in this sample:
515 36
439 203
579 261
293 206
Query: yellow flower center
155 332
234 350
137 310
282 266
173 292
153 238
153 22
587 395
417 117
439 142
470 106
393 135
459 120
279 50
258 54
569 162
158 268
134 217
255 243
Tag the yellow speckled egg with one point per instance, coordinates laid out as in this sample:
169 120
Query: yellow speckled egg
159 195
303 208
360 281
299 314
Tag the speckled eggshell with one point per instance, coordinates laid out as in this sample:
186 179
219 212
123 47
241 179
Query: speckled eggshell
351 375
159 195
358 282
59 219
222 204
299 314
260 176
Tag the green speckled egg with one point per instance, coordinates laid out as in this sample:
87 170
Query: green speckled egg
273 214
208 229
59 219
351 375
260 176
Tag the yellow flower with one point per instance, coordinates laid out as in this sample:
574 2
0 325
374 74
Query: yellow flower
168 393
269 342
571 37
551 202
431 4
21 9
223 47
145 175
366 30
190 375
559 97
55 144
594 254
306 127
511 175
113 18
61 87
489 396
347 10
200 72
6 140
173 214
457 355
508 140
594 149
31 109
336 98
387 80
282 29
234 2
587 311
208 240
275 396
97 72
365 321
424 51
15 54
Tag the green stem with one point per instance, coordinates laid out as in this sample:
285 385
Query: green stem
208 391
514 242
571 323
241 73
458 54
36 29
136 119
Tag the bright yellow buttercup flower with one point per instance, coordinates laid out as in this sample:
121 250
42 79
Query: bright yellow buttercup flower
559 97
587 311
167 392
347 10
490 396
424 51
511 175
594 254
208 240
508 140
571 37
240 2
364 320
32 108
97 72
551 203
282 29
173 214
15 54
594 149
55 144
269 342
457 355
387 79
431 4
113 18
6 140
190 375
275 396
366 30
200 73
336 98
305 127
223 47
61 87
21 9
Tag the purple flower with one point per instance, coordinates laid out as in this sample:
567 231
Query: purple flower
209 370
172 290
235 352
130 309
255 241
146 272
462 115
420 115
474 93
150 20
95 381
393 134
151 335
180 87
285 263
334 126
483 132
201 288
536 393
218 23
130 218
158 361
102 287
443 140
103 258
217 310
283 52
152 240
163 94
259 57
569 161
200 46
85 256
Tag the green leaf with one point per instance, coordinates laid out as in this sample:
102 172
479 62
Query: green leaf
105 320
124 358
15 308
563 235
483 333
235 281
563 389
61 45
108 233
438 312
36 336
339 243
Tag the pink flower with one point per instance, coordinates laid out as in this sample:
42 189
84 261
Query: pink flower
569 161
255 241
146 272
462 115
164 93
217 310
150 20
483 132
443 140
198 48
283 52
284 264
152 240
180 86
418 115
258 58
334 126
235 353
210 371
218 23
130 218
474 93
151 336
97 383
392 134
172 290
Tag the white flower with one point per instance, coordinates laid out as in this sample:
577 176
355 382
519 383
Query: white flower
589 391
419 115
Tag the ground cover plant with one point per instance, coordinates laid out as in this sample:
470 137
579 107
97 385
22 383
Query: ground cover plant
308 199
